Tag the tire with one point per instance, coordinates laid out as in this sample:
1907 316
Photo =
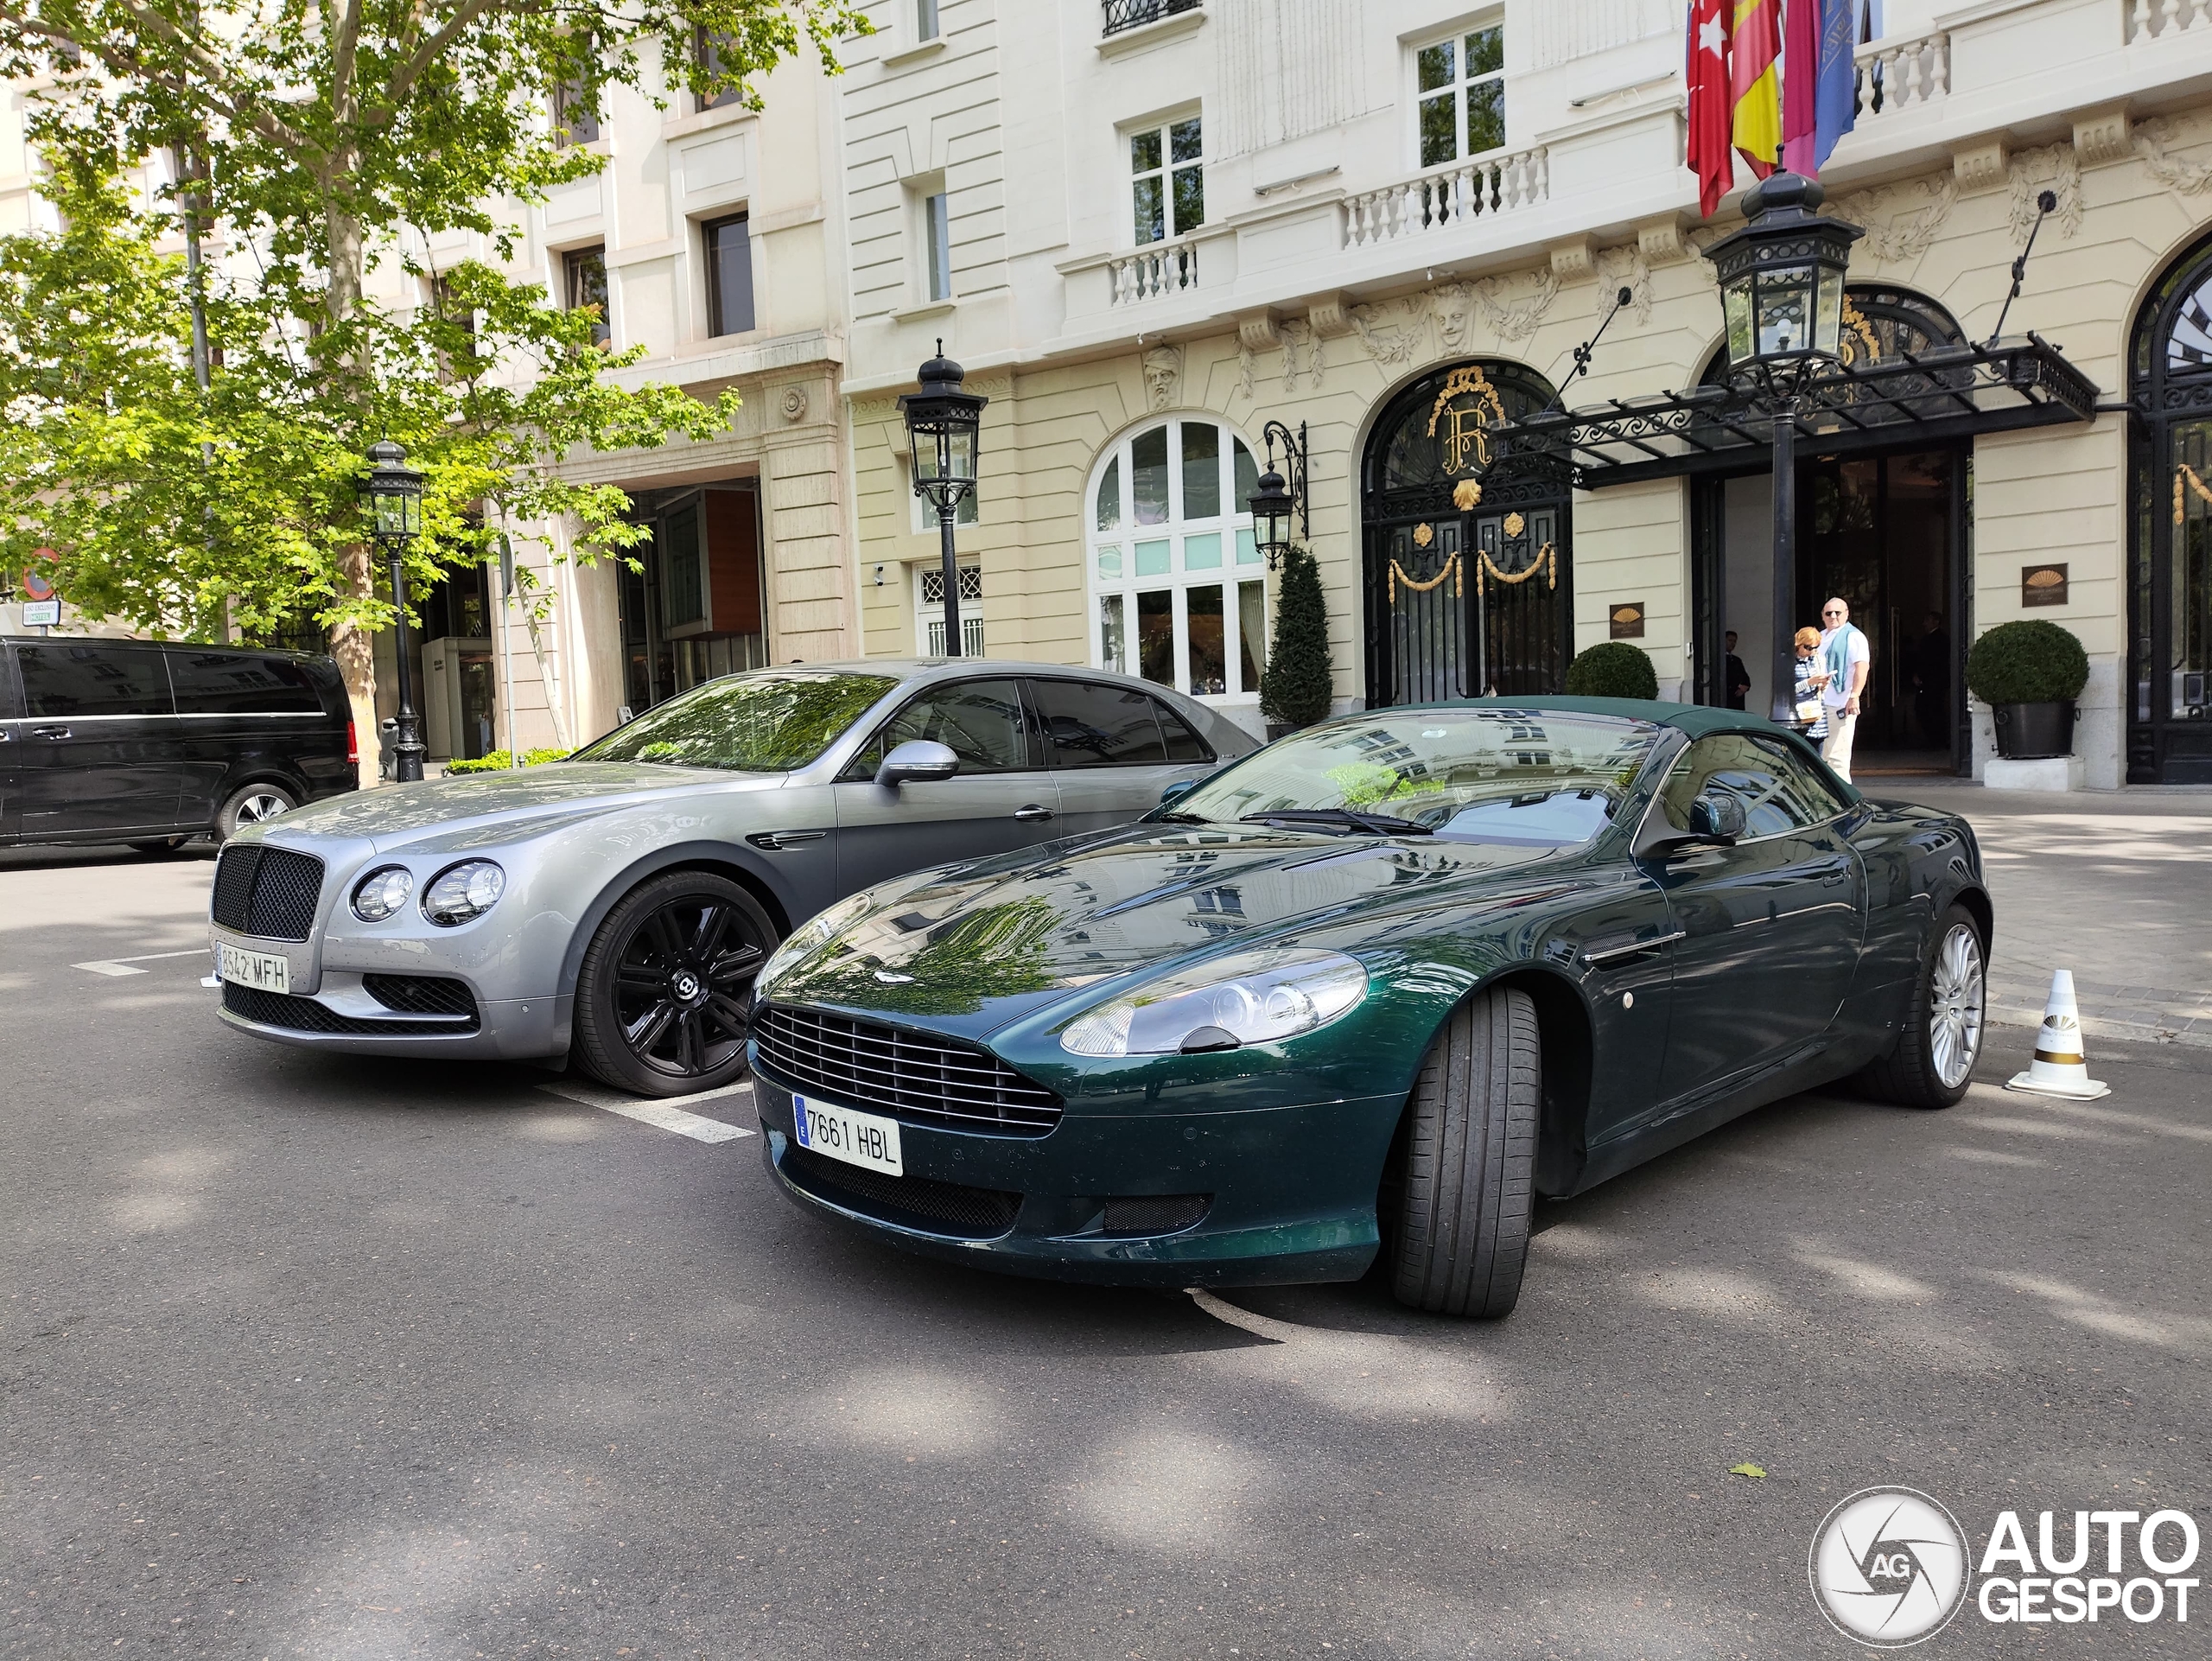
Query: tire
660 999
251 804
1462 1238
1933 1061
159 845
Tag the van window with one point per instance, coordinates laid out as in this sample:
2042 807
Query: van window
240 683
1096 726
91 678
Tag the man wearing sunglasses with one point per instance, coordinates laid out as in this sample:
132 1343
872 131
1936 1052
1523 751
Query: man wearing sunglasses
1847 659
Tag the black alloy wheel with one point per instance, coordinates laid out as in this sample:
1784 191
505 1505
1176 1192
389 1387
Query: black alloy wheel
661 1003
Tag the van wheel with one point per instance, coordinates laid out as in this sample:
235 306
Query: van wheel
159 844
662 1000
1471 1162
251 804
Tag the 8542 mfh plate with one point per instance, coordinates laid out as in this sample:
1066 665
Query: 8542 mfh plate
867 1140
265 971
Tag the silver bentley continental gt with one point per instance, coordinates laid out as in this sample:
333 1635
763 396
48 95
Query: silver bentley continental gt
617 905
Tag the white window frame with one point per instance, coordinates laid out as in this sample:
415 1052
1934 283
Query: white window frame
928 24
936 244
1164 129
1456 37
1111 558
929 614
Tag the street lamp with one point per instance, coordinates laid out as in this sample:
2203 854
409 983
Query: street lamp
1275 500
395 499
941 424
1782 297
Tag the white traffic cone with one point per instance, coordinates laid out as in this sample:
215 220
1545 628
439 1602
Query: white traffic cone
2059 1068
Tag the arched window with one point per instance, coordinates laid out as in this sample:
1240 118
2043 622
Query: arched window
1178 590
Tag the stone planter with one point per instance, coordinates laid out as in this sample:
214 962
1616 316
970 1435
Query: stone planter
2030 731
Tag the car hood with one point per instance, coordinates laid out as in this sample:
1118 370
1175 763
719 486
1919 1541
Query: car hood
518 803
969 948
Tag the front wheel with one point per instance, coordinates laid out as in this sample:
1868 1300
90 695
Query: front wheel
1936 1053
661 999
251 804
1462 1238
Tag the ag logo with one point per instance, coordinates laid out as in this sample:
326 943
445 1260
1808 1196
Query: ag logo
1888 1567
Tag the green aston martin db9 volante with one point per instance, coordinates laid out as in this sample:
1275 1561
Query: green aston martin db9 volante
1370 990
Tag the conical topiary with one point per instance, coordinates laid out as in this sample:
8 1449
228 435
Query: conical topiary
1296 687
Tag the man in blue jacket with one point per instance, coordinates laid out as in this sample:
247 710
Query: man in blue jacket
1847 658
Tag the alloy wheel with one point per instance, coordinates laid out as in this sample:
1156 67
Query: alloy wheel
679 985
261 804
1954 1006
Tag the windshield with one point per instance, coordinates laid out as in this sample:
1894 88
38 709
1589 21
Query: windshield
1515 778
768 721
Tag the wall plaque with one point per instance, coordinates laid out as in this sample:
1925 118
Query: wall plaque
1626 619
2042 585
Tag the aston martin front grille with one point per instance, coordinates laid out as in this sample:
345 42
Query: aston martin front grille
268 891
916 1078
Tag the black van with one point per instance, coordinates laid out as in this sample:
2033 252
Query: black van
131 741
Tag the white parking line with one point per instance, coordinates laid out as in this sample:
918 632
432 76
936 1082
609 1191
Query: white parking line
665 1114
121 966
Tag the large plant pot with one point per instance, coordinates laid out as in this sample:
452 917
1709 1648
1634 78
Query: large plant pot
2026 732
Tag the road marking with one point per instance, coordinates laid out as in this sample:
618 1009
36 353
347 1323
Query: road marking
120 965
664 1114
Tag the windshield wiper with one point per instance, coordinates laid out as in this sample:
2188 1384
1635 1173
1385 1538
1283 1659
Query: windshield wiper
1171 818
1379 825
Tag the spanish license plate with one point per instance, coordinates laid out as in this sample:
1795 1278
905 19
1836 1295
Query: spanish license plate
867 1140
264 971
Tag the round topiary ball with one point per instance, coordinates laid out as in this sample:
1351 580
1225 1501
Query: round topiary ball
2027 661
1613 669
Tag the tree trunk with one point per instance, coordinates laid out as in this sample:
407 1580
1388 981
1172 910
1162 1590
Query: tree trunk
353 646
355 649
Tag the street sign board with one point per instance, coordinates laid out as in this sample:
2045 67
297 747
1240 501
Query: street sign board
41 612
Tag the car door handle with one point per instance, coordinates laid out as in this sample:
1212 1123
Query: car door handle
49 732
1613 953
1032 814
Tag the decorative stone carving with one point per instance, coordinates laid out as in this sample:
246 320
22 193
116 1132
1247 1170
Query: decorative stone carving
1901 220
793 403
2056 167
1297 339
2155 140
2102 135
1453 308
1328 318
1571 260
1660 242
1624 268
1392 332
1256 330
1163 372
1515 305
1980 167
873 409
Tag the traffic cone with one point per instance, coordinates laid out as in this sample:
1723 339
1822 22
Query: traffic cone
2059 1068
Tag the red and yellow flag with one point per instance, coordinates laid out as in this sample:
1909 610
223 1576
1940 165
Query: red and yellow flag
1755 53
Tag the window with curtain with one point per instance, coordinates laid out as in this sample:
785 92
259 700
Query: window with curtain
1179 591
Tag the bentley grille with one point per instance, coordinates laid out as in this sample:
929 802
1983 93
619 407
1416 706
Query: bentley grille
264 891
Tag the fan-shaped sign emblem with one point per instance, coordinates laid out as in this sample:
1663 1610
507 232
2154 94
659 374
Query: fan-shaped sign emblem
1890 1568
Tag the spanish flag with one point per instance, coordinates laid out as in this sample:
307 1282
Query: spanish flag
1755 49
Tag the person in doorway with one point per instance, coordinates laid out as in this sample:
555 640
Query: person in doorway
1739 678
1845 659
1932 681
1812 714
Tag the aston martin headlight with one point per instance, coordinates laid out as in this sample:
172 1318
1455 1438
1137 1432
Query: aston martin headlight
1247 997
809 937
382 892
464 893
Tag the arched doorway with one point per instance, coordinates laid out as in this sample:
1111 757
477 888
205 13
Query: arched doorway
1467 571
2169 535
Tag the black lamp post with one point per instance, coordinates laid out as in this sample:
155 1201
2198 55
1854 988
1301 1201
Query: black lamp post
943 423
1275 501
1781 295
395 498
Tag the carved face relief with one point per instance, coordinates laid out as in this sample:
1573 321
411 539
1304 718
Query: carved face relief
1163 367
1455 318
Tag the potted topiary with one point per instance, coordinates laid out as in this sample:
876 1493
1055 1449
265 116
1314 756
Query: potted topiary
2029 673
1295 687
1613 669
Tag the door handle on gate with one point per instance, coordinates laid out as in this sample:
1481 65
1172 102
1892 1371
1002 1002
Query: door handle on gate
1032 814
49 732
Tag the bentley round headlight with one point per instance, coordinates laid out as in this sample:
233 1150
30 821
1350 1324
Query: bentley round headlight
464 893
809 937
1247 997
382 892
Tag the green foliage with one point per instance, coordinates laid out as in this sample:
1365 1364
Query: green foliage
2028 661
1298 683
1613 669
324 145
503 762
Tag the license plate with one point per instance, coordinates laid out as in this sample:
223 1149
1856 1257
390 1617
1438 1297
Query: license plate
867 1140
265 971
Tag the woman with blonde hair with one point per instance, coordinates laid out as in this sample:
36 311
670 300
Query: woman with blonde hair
1812 714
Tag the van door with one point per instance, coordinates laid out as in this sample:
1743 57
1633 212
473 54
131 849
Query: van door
11 748
101 752
240 713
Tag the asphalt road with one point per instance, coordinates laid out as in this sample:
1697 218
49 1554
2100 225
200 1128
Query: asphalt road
324 1357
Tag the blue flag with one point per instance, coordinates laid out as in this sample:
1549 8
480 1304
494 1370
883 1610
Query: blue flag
1837 95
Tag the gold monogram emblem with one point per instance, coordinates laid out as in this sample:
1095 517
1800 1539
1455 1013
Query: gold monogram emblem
1515 524
1467 408
1858 339
1423 536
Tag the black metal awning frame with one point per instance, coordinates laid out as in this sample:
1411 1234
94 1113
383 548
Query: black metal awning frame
1925 398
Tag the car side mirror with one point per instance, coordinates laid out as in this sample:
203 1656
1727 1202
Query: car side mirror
1717 818
1176 791
919 761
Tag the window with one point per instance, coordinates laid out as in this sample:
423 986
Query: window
1167 180
455 334
1094 726
585 270
979 720
926 25
1461 86
729 275
928 611
573 122
77 677
707 50
1779 792
230 683
936 245
1177 583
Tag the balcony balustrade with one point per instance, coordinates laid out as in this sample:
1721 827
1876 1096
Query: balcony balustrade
1898 75
1135 14
1446 197
1157 270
